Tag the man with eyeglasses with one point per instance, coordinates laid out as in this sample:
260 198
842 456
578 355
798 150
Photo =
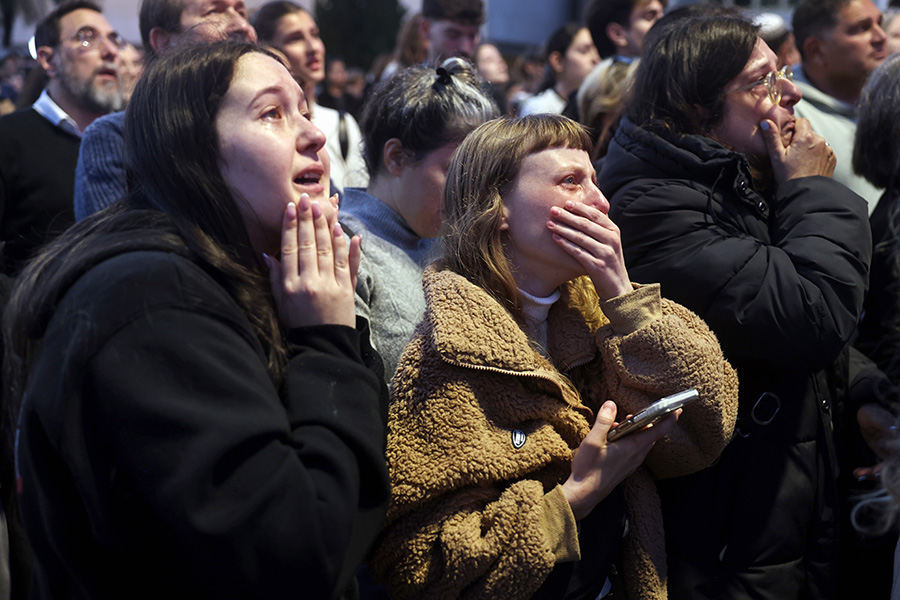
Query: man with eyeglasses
840 42
725 198
100 173
77 49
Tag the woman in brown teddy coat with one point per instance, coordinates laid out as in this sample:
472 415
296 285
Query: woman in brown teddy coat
533 341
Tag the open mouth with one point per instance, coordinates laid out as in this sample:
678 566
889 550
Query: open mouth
108 73
308 178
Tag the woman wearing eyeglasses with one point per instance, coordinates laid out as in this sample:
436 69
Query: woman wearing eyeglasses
726 199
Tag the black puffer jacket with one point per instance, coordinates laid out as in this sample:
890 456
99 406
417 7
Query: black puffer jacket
781 281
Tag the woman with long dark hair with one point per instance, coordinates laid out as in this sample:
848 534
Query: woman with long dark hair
197 415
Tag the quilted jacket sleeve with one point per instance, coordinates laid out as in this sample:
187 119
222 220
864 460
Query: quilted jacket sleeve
786 290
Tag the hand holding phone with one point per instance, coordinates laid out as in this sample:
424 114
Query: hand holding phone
652 414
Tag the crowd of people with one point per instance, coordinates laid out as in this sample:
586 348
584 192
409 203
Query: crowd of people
274 326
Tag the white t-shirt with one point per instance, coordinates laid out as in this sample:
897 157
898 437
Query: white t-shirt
547 101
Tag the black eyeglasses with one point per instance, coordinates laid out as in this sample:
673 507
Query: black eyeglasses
773 82
89 37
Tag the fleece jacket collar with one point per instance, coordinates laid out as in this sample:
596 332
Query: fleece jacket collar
570 340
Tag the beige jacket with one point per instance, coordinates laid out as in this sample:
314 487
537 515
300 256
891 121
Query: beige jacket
475 512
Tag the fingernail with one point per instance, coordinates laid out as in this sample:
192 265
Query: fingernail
570 205
316 209
609 407
764 125
861 478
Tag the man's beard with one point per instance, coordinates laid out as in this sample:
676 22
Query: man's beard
97 98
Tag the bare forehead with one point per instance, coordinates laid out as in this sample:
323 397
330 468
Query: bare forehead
761 61
856 10
296 21
70 23
199 7
256 73
552 159
457 26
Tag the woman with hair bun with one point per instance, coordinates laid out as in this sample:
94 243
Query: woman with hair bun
412 123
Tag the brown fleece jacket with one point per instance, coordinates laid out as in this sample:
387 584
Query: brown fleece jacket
477 514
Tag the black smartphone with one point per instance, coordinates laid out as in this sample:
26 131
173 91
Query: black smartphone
652 414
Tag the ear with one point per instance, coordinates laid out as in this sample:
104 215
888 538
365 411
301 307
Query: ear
45 59
556 61
396 157
504 220
160 38
813 50
617 35
424 27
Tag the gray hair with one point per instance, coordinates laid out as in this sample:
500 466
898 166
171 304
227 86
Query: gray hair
424 108
876 155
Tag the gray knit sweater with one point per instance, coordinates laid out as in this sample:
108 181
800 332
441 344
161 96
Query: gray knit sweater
389 287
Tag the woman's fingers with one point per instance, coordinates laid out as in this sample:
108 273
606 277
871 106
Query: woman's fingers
307 244
592 239
355 258
324 241
585 227
289 247
341 254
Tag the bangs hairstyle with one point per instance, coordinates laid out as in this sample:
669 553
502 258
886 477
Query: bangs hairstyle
425 109
481 172
680 81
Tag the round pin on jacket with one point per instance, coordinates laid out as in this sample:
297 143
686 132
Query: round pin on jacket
518 438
